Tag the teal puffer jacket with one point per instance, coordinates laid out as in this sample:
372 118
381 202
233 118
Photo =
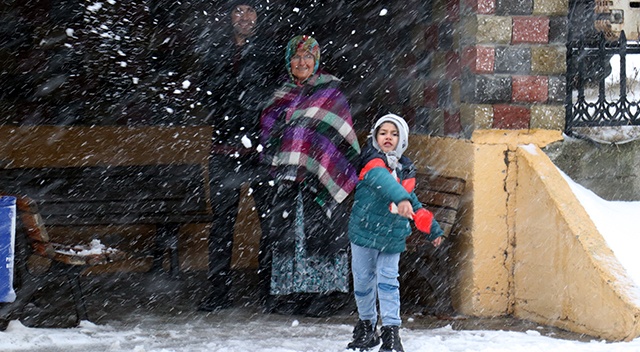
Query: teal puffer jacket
372 224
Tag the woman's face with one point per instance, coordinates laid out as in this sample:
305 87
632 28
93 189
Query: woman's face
387 137
302 64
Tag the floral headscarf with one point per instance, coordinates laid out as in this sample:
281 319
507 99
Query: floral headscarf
304 42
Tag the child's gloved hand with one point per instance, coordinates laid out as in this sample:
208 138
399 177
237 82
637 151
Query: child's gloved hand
423 219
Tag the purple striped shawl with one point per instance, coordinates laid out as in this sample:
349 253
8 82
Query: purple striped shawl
307 130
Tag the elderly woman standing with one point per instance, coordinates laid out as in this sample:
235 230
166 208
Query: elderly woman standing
309 141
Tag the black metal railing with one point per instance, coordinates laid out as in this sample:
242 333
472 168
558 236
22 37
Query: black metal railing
587 66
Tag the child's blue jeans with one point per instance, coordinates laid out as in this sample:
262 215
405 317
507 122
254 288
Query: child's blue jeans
375 275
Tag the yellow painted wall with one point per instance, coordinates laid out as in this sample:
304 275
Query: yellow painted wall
56 146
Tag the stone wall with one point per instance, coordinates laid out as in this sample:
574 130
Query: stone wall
416 69
609 170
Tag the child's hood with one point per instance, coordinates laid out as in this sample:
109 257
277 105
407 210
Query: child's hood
403 132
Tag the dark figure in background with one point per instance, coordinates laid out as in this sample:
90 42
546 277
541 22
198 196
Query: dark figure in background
312 148
239 74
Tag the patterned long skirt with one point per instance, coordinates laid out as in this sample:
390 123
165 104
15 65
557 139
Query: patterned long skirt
300 272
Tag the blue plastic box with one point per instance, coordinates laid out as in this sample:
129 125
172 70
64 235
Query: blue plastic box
7 247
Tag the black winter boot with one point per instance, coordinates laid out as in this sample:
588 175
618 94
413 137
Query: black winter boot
391 339
365 336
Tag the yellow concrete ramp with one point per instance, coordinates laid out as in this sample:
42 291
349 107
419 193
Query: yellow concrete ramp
564 273
524 245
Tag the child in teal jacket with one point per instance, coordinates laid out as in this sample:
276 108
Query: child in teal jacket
378 228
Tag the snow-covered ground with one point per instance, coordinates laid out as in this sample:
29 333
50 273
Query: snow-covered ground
280 336
235 331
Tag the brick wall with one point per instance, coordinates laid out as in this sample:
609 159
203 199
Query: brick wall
427 80
481 64
513 64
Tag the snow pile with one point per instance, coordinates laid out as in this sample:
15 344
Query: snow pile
94 248
609 135
617 223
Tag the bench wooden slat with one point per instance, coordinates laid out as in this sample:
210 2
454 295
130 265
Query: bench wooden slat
67 261
125 187
72 255
98 208
95 171
443 184
109 192
444 216
442 196
439 199
120 183
424 268
34 227
74 220
164 195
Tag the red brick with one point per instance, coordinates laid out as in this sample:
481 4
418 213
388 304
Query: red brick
431 36
530 89
431 94
453 10
485 59
486 7
510 117
409 115
469 58
530 30
470 4
479 59
452 124
453 65
481 6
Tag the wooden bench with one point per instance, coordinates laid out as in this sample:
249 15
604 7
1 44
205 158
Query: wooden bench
442 196
164 195
424 268
65 261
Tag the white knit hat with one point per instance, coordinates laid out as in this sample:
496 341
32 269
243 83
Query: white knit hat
403 132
